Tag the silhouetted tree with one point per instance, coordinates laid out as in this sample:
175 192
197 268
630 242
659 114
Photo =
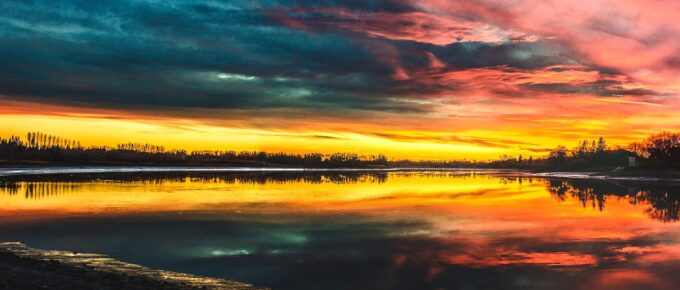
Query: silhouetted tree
601 145
663 148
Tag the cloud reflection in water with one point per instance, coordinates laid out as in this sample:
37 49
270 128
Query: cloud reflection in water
388 231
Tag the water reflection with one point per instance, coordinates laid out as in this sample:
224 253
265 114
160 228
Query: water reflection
38 190
215 177
405 230
662 200
38 187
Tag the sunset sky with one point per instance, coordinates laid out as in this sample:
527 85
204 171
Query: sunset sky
431 79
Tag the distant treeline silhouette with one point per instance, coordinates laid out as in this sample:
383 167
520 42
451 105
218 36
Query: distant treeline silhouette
44 148
39 147
588 154
662 150
658 151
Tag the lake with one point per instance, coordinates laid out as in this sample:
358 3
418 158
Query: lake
456 229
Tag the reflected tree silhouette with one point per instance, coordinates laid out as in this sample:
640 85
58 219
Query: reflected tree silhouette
40 187
664 206
11 188
663 200
38 190
43 186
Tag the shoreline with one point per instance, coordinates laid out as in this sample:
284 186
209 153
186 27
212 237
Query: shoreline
22 267
629 175
55 171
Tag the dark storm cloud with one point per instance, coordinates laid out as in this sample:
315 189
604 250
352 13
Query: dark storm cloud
229 54
600 88
522 55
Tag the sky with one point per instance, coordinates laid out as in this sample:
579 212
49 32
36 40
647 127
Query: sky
431 79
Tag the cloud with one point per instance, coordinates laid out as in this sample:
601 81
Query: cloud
239 55
153 56
440 138
412 26
460 65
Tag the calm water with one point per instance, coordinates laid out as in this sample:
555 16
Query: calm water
396 230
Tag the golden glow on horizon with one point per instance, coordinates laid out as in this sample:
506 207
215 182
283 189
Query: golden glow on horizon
480 132
190 135
396 144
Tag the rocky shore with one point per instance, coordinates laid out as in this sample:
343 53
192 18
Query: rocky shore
26 268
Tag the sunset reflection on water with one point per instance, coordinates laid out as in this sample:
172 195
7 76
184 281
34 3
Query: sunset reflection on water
398 230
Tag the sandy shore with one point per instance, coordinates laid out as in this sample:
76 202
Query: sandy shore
26 268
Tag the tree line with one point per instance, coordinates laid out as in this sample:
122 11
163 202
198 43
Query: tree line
660 150
657 151
38 147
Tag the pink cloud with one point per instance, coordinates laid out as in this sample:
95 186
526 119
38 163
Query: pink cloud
427 28
637 37
414 26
